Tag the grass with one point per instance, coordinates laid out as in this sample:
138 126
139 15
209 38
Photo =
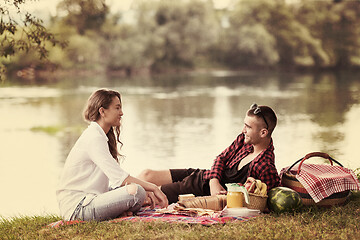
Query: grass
341 222
54 130
51 130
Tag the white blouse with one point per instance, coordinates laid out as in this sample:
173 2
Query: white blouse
89 170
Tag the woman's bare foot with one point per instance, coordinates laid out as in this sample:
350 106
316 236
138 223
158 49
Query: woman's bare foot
126 214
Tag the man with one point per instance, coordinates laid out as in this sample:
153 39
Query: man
251 154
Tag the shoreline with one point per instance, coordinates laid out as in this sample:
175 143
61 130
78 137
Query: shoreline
32 75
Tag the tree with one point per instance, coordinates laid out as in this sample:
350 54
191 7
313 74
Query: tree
181 30
124 48
337 24
247 45
20 31
293 40
84 14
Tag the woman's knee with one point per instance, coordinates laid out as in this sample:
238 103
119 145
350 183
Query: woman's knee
132 189
136 190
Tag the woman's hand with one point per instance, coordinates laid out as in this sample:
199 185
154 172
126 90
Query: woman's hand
150 200
154 195
157 197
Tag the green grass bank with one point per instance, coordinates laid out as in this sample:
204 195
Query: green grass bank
340 222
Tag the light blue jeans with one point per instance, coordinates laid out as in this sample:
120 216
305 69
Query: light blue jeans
111 204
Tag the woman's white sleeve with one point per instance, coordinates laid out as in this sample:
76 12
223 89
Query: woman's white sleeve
99 153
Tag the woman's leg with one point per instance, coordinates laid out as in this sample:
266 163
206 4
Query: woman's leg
112 204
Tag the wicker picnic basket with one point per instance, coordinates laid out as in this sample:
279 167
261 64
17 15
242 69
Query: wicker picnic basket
289 180
256 202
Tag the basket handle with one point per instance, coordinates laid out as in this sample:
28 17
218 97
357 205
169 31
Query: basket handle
314 154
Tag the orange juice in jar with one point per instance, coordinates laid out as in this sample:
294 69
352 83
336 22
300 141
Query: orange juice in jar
236 195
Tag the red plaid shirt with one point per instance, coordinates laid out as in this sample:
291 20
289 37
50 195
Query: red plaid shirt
262 167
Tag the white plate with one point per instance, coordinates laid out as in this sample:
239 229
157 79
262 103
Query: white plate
240 212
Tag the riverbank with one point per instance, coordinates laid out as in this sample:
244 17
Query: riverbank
31 75
340 222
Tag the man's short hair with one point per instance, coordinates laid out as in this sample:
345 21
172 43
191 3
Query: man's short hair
267 113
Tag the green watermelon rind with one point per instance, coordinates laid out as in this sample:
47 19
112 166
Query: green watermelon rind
283 199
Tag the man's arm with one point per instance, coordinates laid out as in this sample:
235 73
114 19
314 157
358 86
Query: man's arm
270 177
219 165
215 187
265 171
221 160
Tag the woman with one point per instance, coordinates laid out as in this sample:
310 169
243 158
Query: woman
93 186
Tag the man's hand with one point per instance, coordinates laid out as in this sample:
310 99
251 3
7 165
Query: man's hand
216 188
156 198
161 198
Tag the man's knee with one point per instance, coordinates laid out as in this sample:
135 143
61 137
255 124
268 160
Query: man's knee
158 177
147 175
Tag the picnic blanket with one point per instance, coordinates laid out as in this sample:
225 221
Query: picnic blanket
321 181
170 215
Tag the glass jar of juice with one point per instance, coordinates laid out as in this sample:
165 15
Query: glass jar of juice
236 195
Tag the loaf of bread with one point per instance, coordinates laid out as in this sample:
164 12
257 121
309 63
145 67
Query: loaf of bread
216 203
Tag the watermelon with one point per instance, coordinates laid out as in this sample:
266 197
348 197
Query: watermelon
283 199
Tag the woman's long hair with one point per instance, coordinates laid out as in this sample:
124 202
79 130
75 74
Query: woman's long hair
103 98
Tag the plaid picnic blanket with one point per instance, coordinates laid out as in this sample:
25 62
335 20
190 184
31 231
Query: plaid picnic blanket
321 181
150 215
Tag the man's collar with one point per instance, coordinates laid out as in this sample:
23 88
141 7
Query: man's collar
271 145
250 148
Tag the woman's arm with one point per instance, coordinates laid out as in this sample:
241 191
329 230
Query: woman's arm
100 155
150 187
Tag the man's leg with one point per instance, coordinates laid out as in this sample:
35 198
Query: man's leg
193 183
162 177
158 177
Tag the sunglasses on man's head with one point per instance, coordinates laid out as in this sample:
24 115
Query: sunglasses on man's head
257 111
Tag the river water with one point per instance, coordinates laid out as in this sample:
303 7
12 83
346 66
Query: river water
170 121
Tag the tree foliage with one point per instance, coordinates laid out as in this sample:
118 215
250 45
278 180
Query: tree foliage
22 33
186 29
337 25
293 40
122 47
84 14
162 34
33 34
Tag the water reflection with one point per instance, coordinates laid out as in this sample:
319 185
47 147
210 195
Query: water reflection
171 122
